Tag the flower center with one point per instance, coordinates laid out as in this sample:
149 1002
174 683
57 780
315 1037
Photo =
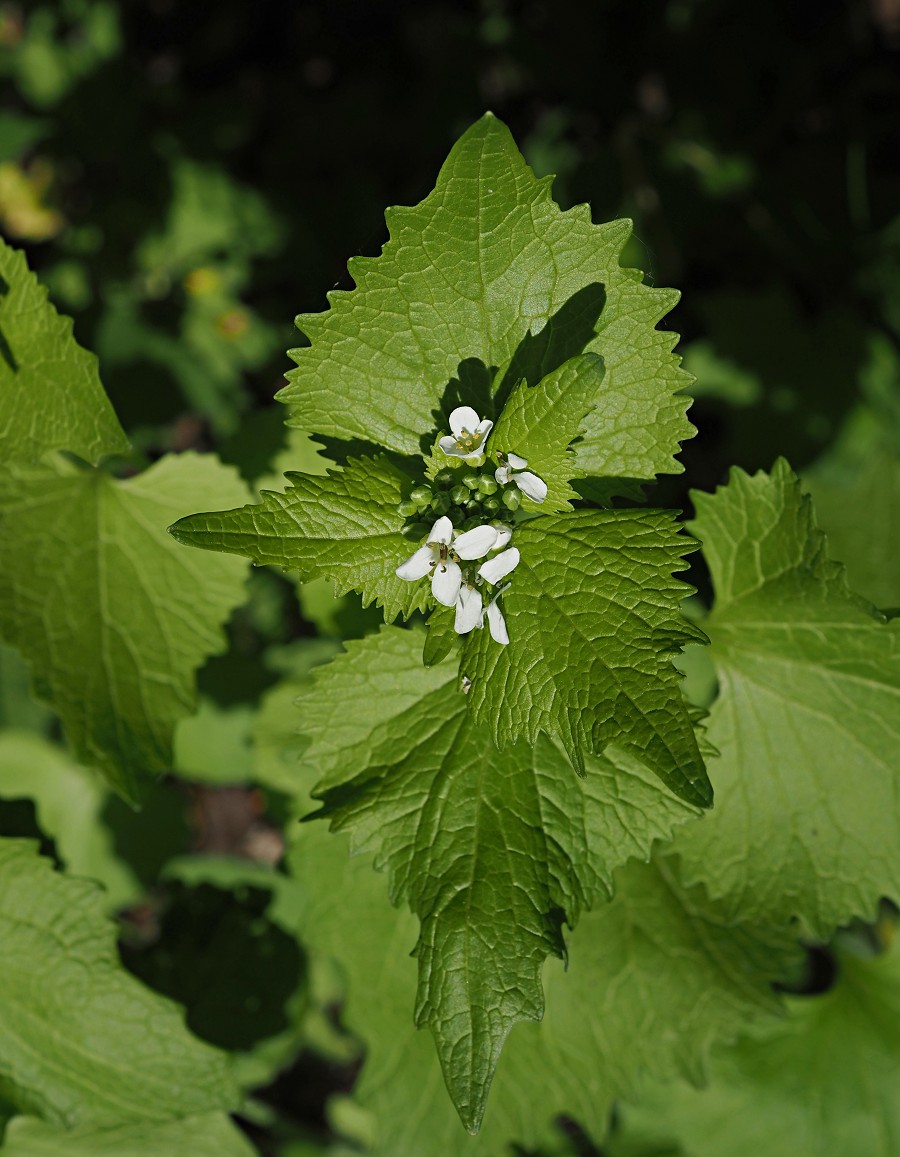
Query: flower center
466 440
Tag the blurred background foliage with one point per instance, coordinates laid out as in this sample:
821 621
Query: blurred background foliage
187 177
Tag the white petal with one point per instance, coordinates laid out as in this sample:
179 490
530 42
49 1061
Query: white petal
463 418
504 534
448 445
516 462
501 564
531 486
445 583
483 428
442 531
475 543
417 565
501 475
468 610
497 623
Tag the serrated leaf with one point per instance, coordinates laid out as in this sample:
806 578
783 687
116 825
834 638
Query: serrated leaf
487 269
492 850
823 1080
51 397
82 1043
68 802
807 721
111 615
594 620
344 527
206 1135
539 423
653 978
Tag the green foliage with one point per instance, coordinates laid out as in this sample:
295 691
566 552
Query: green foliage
145 165
596 620
660 956
806 722
540 422
492 850
69 802
84 1044
820 1081
344 526
204 1135
487 269
110 614
201 258
51 397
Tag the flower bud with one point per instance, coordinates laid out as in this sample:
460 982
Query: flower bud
471 480
512 500
422 496
407 508
487 485
459 494
440 504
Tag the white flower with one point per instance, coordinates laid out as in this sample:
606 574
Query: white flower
441 554
496 621
500 565
469 612
469 434
504 534
531 486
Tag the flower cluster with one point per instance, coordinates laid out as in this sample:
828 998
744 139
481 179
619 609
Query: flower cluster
445 556
448 551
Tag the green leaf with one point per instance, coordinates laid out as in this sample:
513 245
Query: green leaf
344 527
69 801
213 746
441 637
492 850
823 1080
206 1135
653 978
82 1043
488 270
856 490
540 422
594 620
111 615
51 397
807 720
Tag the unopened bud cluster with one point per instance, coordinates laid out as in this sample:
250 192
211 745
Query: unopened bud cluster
477 497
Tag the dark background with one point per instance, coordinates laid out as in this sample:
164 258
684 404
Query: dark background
755 146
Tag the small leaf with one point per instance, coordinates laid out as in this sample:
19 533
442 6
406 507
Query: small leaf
540 422
51 397
113 617
344 527
594 621
83 1043
441 637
